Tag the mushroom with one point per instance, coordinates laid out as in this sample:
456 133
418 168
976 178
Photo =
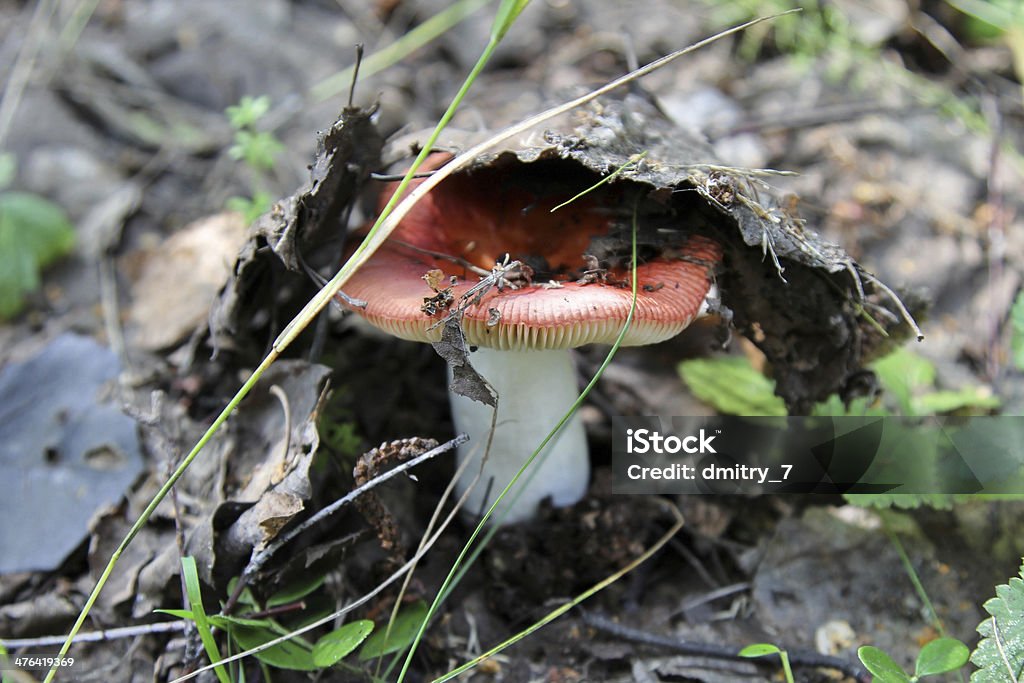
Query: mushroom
521 333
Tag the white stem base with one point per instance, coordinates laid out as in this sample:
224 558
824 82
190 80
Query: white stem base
535 389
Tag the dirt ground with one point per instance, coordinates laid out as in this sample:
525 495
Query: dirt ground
904 129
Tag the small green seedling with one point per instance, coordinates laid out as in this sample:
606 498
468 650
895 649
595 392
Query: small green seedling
257 149
765 649
34 233
296 654
937 657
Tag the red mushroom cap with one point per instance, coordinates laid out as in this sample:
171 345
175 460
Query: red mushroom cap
479 219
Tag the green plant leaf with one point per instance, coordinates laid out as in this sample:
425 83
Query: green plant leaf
904 374
338 644
34 232
732 386
258 149
763 649
1017 332
403 631
881 665
971 398
179 613
296 591
246 597
287 655
248 111
940 656
195 601
1000 653
759 650
227 622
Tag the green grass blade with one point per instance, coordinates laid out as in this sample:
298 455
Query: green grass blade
429 30
508 12
634 160
195 603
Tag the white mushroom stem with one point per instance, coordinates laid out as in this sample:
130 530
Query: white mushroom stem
535 389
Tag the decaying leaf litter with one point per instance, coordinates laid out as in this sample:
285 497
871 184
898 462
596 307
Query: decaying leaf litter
425 415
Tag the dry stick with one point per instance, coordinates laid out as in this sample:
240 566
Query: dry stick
821 116
476 270
796 657
99 636
404 569
362 254
23 65
262 557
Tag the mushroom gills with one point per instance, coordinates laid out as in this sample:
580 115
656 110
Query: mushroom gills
535 390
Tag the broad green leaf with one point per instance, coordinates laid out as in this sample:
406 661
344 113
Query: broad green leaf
403 631
732 386
43 228
881 665
759 650
195 601
286 655
904 373
336 645
1000 653
941 655
33 233
949 401
296 591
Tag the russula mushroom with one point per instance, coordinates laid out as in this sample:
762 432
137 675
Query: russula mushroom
523 333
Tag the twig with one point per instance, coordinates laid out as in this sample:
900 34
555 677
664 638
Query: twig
715 594
822 116
262 557
33 40
320 280
441 255
98 636
395 177
279 394
796 657
900 306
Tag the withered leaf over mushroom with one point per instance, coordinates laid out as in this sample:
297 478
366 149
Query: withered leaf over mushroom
817 316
